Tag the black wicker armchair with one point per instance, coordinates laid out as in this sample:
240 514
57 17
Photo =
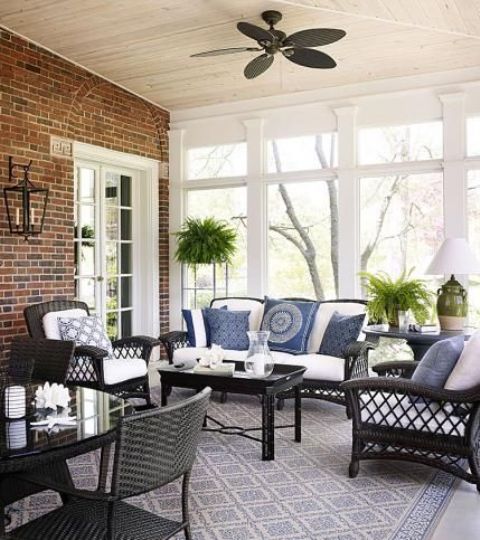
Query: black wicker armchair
87 367
152 449
396 418
355 359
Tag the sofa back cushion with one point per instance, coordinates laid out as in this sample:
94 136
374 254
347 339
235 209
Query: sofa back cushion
254 305
466 372
289 323
50 321
323 316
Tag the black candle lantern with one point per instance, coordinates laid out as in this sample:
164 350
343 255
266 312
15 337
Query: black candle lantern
26 204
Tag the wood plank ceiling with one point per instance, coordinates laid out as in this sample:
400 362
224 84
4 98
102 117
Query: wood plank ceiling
145 45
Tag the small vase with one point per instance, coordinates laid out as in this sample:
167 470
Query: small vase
259 361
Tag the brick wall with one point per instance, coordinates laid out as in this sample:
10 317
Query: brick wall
42 95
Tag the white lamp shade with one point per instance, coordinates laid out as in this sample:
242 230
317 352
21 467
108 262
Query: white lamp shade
454 257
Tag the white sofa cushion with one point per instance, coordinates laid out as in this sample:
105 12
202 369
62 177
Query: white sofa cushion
319 366
243 304
50 321
119 370
324 314
466 372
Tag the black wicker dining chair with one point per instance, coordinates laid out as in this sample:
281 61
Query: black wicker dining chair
395 418
152 449
87 367
51 358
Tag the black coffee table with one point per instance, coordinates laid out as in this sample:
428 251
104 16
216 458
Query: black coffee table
283 378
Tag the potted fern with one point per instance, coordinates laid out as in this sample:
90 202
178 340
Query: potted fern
387 296
206 241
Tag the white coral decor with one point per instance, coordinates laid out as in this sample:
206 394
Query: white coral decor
52 396
213 357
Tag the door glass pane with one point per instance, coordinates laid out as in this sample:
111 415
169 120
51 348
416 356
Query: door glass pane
473 136
85 291
86 214
112 293
86 259
112 258
112 223
126 258
112 325
86 185
126 323
112 185
126 224
303 240
126 291
126 191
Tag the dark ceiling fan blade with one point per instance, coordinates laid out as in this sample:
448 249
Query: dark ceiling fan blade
231 50
254 32
258 65
309 58
315 37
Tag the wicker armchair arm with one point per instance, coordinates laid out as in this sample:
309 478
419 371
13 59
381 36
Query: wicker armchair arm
48 483
356 359
406 386
136 341
88 350
173 340
396 368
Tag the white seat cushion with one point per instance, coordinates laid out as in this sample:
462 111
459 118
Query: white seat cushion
116 370
243 304
50 321
319 366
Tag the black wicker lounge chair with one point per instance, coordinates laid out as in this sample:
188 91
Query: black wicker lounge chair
87 368
396 418
152 449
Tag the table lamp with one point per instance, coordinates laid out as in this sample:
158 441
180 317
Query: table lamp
453 257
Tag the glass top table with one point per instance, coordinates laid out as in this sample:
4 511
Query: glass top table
23 445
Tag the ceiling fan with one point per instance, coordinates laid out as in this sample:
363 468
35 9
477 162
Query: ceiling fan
295 47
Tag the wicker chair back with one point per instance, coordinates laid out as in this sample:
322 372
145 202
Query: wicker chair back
35 313
155 447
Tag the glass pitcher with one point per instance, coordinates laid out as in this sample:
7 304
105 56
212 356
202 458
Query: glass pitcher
259 361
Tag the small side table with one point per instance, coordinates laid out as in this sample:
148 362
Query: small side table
419 342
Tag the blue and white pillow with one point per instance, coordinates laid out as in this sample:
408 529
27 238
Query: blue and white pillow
228 328
197 326
341 331
88 330
289 323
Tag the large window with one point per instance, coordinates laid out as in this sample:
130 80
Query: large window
396 144
473 136
401 223
302 153
473 200
303 239
229 204
217 161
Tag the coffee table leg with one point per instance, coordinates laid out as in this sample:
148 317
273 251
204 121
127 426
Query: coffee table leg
298 414
164 394
268 428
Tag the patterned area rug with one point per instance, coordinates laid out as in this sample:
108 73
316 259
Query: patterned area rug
304 494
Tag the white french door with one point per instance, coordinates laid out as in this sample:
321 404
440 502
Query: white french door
106 215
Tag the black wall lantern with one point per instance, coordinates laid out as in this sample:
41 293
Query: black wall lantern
26 204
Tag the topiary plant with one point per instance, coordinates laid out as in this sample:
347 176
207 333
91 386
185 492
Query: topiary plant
205 241
386 297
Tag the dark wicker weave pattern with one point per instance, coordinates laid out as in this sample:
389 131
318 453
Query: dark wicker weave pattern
152 448
51 358
356 362
87 367
395 418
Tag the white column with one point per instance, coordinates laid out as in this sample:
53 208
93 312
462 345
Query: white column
454 152
177 162
257 219
348 211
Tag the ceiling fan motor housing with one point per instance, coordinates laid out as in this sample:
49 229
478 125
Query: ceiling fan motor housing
271 17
